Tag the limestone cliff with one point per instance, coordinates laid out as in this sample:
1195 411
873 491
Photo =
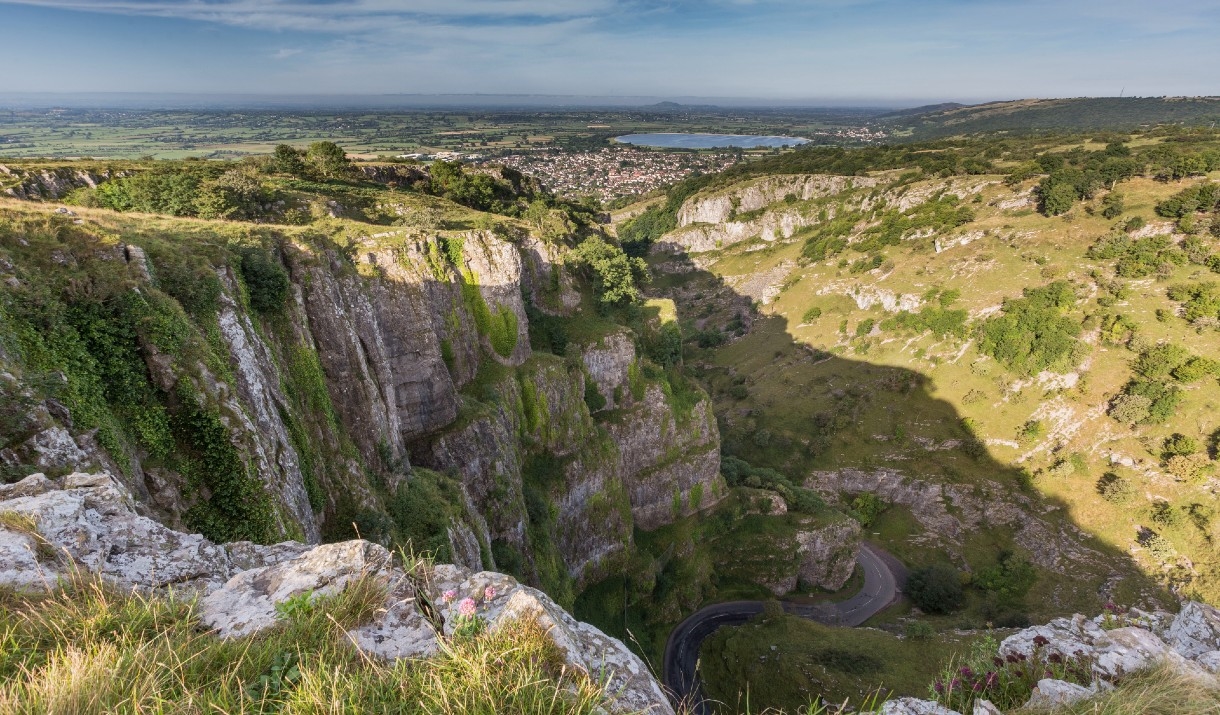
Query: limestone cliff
297 385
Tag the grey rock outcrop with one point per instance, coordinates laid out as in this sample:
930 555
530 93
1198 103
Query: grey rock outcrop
1057 547
1050 693
914 706
828 555
1196 630
86 523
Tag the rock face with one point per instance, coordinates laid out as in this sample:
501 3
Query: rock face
395 351
50 183
88 522
1116 645
828 555
1058 548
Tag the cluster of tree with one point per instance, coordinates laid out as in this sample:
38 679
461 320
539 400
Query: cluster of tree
193 189
615 275
1077 174
740 473
940 588
1202 197
322 160
1138 258
938 318
1153 394
1034 333
1200 302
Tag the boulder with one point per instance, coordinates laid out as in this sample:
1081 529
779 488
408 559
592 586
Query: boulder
1128 650
248 602
1195 630
90 524
985 707
1049 694
914 706
1067 637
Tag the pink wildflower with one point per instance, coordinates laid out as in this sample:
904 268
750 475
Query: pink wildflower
489 593
449 595
466 607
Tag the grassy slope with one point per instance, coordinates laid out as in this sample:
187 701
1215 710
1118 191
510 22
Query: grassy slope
785 662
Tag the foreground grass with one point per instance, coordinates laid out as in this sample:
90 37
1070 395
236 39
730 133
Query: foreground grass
89 649
1153 692
789 662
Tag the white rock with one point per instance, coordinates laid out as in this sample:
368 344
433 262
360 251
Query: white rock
1195 630
1067 637
1210 662
247 602
986 707
32 485
915 706
1050 693
93 522
1127 650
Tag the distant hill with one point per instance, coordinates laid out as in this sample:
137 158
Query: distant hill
1038 115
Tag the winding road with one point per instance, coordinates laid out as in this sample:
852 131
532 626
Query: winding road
882 575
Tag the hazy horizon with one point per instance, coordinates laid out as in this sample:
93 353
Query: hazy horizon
894 53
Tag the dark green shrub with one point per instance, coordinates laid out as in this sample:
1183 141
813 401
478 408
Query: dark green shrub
265 279
936 589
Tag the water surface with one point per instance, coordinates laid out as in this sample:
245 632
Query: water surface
707 141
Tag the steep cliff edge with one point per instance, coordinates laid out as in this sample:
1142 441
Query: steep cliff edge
87 524
264 383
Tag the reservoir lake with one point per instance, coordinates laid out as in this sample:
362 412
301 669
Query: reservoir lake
707 141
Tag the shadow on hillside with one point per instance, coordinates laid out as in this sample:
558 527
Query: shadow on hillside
847 427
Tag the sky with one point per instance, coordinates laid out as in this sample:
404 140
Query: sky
900 52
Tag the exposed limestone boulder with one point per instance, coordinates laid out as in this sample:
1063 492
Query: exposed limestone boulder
1195 630
247 602
499 599
89 523
914 706
1050 693
1063 636
985 707
1127 650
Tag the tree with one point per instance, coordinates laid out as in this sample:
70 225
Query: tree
288 160
1058 198
328 159
936 589
614 273
235 194
1112 205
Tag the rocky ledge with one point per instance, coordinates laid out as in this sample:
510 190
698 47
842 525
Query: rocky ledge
1111 646
88 523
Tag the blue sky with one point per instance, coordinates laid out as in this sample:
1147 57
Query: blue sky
900 51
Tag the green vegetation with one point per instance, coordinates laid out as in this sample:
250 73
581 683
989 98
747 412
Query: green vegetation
790 662
1034 334
936 589
84 648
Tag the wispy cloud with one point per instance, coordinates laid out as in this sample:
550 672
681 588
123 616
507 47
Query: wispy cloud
334 17
286 52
